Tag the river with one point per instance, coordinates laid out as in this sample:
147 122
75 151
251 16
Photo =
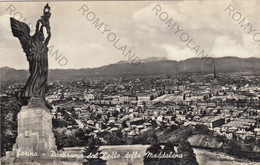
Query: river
133 154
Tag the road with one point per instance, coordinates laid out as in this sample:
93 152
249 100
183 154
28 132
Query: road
78 121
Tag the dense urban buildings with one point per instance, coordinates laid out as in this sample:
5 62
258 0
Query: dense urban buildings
127 107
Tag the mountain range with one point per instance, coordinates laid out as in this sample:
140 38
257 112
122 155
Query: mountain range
150 66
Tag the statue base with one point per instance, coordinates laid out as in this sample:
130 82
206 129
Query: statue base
35 136
35 143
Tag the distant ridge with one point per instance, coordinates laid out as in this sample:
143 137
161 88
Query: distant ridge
153 65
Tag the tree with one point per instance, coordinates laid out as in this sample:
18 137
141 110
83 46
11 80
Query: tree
98 116
154 148
233 146
168 147
154 124
59 123
115 113
9 109
80 137
143 137
189 158
201 129
124 125
114 138
60 139
92 148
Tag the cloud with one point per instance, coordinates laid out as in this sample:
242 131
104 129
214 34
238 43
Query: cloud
137 26
176 53
224 46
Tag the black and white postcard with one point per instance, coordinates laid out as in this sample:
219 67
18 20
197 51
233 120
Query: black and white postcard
130 82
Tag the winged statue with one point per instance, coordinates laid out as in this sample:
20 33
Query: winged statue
36 50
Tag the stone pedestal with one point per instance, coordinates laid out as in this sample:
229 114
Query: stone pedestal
35 140
35 134
35 143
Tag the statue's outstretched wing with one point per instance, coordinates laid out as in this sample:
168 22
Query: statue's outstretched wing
22 32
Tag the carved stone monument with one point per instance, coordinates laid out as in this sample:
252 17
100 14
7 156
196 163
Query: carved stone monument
35 137
35 143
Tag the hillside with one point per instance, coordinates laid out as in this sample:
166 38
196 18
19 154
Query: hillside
150 66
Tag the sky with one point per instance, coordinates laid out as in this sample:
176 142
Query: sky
140 26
